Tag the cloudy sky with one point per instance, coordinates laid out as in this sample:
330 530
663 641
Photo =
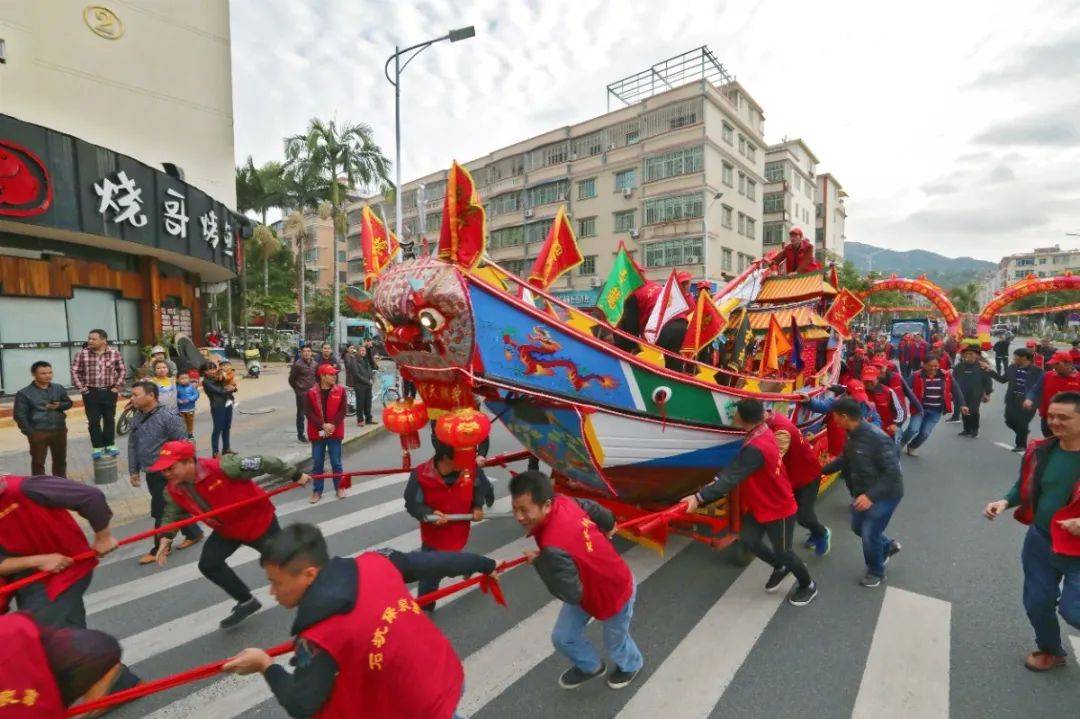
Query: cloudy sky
953 125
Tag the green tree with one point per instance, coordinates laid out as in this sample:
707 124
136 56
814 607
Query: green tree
965 297
259 190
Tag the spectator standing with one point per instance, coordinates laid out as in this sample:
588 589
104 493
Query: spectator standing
1060 377
302 378
324 407
153 425
39 414
369 350
98 372
157 352
1020 376
328 356
166 384
971 379
359 376
220 393
187 396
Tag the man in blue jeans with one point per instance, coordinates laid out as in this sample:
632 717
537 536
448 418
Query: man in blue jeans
870 466
1047 498
580 566
934 391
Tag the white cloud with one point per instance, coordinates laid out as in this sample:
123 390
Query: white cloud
891 98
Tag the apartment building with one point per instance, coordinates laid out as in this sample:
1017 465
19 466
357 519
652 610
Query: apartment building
831 216
1041 262
318 246
675 175
790 190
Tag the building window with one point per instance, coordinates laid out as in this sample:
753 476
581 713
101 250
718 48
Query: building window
728 133
669 209
725 216
586 227
774 171
751 152
742 261
680 162
587 266
774 232
624 221
774 202
670 253
725 259
507 237
819 236
742 184
586 189
729 175
1042 260
626 180
538 231
547 193
751 190
433 221
742 145
751 228
504 203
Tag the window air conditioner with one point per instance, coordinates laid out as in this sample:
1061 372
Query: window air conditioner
611 147
634 234
691 260
529 212
627 192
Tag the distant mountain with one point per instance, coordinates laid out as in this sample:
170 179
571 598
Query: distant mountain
947 272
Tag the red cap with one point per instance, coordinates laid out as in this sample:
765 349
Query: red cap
327 369
870 373
1061 356
857 390
880 362
683 276
1032 344
171 453
797 231
860 350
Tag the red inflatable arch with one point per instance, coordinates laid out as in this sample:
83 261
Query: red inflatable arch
926 288
1030 285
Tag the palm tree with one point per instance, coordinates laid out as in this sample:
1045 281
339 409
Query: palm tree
296 226
260 190
342 157
965 297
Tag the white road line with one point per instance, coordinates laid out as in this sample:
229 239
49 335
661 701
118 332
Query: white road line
507 657
699 670
177 632
1076 645
164 580
1004 445
907 670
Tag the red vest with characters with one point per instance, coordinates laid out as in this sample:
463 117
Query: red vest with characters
333 406
918 388
1052 383
882 397
801 461
454 499
393 662
767 492
216 489
606 581
27 687
27 528
1061 540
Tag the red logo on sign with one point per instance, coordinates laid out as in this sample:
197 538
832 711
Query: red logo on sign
25 189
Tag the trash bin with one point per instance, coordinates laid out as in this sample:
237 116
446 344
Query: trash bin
105 469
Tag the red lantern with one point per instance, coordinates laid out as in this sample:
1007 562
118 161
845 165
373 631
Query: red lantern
463 430
406 419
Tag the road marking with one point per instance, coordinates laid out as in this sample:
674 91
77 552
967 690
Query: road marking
907 670
177 632
704 663
1004 445
507 657
1076 645
163 580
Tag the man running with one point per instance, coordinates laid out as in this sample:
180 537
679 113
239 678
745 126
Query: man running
1019 376
804 472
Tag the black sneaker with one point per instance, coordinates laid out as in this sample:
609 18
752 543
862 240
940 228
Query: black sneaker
871 580
775 578
801 596
573 677
301 439
965 433
892 551
950 420
619 679
1019 449
240 612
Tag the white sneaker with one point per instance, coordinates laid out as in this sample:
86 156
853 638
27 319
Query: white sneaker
912 452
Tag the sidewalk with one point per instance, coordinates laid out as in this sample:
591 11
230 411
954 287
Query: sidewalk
264 423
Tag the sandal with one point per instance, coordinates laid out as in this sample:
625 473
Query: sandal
314 498
341 494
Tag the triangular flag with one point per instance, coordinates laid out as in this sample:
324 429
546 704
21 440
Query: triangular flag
671 304
623 279
377 244
463 234
559 254
776 346
705 324
741 344
796 346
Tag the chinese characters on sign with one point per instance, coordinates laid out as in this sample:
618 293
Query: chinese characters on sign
175 214
123 198
210 228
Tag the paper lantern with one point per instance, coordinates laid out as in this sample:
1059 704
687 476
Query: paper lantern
463 430
405 419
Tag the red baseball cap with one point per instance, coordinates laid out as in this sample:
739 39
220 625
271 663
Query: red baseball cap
857 390
171 453
1061 356
327 369
870 372
683 276
1031 343
796 231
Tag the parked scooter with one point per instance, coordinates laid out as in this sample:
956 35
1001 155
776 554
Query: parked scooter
252 362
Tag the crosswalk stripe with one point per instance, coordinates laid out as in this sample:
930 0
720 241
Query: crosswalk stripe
907 670
177 632
503 660
161 581
1076 645
698 671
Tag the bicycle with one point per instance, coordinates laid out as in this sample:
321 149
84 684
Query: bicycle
388 388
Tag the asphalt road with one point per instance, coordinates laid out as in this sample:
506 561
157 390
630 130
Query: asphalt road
945 636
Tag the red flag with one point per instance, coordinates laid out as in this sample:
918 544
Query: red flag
463 235
834 279
776 345
671 304
842 311
559 254
377 244
706 324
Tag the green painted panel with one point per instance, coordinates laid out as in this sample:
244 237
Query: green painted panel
688 402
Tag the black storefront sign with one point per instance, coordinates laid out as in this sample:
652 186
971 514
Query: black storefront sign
100 192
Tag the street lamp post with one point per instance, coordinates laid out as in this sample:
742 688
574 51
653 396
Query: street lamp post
870 260
705 239
462 33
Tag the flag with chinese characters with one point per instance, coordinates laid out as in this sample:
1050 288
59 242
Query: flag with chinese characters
559 254
378 245
741 342
462 236
623 279
842 311
776 346
705 324
671 303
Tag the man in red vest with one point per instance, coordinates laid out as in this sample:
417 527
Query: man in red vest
44 670
436 489
580 566
889 406
758 469
798 255
1063 378
1047 498
198 485
363 647
324 408
804 472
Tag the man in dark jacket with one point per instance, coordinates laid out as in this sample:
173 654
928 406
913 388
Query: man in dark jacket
1020 376
974 383
323 590
870 466
359 376
301 379
39 413
1001 352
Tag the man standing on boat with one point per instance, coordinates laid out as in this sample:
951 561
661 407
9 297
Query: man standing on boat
797 256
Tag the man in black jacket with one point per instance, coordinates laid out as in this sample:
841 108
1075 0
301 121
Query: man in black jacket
39 413
359 376
1020 377
870 466
973 379
1001 352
